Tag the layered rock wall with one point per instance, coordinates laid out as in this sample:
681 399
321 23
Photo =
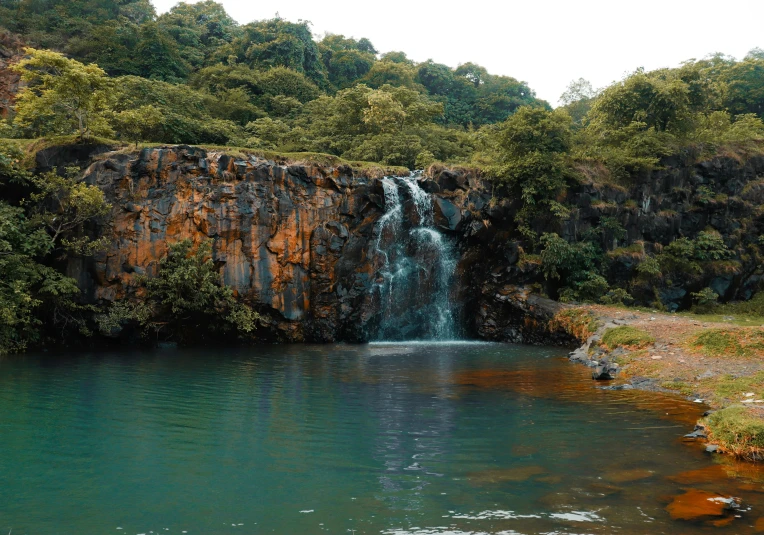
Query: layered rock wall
297 240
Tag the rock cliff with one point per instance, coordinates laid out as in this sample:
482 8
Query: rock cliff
11 51
293 239
296 239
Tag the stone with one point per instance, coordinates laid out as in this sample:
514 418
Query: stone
710 474
502 475
447 215
626 476
604 372
699 505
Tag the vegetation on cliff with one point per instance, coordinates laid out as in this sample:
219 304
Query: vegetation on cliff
185 302
42 221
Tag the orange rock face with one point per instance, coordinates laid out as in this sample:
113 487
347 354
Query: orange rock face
281 233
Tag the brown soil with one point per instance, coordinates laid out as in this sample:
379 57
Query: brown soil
671 359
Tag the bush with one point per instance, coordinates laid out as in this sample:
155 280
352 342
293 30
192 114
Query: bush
185 302
626 336
705 299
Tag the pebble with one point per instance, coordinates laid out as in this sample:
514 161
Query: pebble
656 357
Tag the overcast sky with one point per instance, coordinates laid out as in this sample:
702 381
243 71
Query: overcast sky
546 43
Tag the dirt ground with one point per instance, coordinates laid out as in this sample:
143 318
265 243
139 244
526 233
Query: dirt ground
674 365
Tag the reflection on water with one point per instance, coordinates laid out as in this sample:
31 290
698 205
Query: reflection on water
385 438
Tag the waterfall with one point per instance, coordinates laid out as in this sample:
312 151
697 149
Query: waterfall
416 266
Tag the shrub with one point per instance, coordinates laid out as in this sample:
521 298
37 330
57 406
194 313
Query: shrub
625 336
186 301
617 296
705 298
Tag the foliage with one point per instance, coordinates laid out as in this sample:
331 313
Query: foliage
574 263
626 336
530 153
277 42
346 60
188 116
617 296
577 100
199 29
34 296
63 204
705 298
753 307
186 301
137 124
61 95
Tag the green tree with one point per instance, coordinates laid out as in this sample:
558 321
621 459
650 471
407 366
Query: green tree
277 42
159 56
62 205
62 95
532 146
27 286
577 99
137 124
199 29
745 81
346 59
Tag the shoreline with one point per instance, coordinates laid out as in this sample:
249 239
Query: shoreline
706 361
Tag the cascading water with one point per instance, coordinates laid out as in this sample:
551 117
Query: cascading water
417 265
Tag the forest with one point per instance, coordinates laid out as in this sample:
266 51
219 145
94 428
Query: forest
117 70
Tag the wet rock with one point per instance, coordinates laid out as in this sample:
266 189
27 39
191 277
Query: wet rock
626 476
712 448
447 215
699 505
605 372
697 434
710 474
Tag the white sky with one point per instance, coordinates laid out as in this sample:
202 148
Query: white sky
546 43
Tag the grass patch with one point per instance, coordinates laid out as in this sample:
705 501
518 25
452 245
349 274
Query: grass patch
743 342
626 336
578 322
731 388
738 430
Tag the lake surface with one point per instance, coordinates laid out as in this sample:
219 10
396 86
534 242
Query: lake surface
396 439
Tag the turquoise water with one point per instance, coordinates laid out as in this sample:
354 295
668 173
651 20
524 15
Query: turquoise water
397 439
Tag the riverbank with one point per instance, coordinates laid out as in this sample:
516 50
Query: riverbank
715 360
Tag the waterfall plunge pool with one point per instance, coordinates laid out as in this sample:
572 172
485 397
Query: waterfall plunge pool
405 438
